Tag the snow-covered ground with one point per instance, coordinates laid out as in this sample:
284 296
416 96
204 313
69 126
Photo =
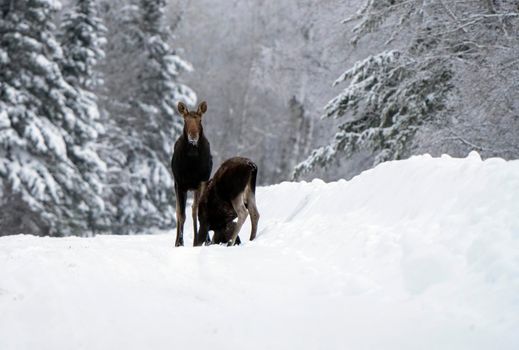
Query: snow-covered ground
415 254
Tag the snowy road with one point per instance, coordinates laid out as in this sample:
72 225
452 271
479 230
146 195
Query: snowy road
416 254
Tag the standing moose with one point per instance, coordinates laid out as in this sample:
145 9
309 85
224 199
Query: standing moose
191 165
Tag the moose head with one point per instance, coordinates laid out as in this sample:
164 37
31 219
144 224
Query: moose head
192 121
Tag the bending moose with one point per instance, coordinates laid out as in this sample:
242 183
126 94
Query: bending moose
191 165
230 194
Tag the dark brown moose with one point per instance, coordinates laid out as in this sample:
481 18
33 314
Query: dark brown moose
191 165
230 194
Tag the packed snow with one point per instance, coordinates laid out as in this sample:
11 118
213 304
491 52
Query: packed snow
414 254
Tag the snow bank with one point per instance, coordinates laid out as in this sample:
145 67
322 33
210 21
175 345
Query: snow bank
415 254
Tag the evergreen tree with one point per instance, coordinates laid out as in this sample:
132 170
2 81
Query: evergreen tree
146 121
393 94
82 35
158 88
82 38
51 176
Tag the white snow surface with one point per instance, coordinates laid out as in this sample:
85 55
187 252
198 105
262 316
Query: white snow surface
414 254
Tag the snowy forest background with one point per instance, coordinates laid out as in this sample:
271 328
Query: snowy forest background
307 89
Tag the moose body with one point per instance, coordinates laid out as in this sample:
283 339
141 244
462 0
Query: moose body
191 165
230 194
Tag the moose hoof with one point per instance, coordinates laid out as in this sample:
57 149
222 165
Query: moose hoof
237 242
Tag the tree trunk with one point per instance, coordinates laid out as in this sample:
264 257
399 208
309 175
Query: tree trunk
490 6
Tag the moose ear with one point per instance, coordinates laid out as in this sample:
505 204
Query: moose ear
182 109
202 108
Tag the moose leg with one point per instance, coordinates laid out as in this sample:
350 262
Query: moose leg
181 215
203 233
254 214
242 212
202 187
194 209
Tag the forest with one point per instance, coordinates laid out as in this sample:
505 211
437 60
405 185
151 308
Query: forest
307 89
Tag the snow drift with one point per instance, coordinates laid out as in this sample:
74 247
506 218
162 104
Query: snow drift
415 254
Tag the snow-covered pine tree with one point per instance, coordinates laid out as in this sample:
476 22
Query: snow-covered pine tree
389 97
392 94
159 88
50 174
146 118
82 36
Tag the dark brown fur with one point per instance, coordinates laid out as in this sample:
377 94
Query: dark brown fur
230 194
191 165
